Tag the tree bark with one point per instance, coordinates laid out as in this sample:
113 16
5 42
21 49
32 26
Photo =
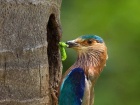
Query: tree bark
30 62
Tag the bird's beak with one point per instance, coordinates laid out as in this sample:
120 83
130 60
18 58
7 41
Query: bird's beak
72 43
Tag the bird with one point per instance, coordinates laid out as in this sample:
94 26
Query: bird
77 84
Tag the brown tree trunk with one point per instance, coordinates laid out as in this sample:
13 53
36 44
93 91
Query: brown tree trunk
29 54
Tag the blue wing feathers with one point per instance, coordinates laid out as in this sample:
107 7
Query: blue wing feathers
72 88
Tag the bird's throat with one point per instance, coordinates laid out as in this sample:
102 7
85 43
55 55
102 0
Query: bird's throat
92 62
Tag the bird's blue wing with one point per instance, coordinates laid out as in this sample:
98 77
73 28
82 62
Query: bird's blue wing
72 88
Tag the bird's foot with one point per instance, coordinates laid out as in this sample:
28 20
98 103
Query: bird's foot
54 96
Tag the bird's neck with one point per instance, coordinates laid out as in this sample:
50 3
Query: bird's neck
91 61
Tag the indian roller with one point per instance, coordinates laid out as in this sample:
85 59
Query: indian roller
77 85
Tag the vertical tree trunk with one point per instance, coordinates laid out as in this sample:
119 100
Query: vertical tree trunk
29 53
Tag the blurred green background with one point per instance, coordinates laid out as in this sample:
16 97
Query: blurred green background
118 23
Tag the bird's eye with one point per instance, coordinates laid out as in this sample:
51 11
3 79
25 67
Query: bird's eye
89 41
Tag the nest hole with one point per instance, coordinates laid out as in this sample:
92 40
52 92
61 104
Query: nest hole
53 38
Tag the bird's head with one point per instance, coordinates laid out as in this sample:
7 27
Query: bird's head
92 53
87 43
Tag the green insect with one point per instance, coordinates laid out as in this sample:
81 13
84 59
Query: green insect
62 46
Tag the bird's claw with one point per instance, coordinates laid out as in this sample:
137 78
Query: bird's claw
54 96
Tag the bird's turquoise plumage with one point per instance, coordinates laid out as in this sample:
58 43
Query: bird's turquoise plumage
92 37
72 88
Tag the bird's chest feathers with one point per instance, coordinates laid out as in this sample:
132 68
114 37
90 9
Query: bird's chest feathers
93 72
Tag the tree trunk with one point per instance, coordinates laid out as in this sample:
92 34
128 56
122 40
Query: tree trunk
30 62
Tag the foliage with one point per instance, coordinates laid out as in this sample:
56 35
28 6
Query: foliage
118 23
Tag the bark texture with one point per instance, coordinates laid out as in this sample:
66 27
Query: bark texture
29 54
